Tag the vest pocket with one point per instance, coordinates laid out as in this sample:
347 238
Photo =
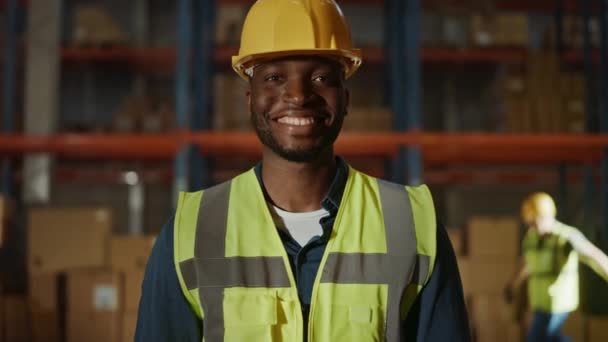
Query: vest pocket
249 317
355 323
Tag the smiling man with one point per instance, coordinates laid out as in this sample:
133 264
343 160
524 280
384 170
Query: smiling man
302 247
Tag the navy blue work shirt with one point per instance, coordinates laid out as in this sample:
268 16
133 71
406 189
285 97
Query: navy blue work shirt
439 313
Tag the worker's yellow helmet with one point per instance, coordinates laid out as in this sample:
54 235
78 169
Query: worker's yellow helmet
537 205
279 28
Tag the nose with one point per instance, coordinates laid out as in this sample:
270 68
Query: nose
297 92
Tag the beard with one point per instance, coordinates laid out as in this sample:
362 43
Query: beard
298 155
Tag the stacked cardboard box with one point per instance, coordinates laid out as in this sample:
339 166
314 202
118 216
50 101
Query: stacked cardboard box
506 29
147 114
492 260
5 215
597 328
59 241
539 97
95 27
374 119
93 310
230 106
85 283
13 319
574 31
456 238
128 257
574 327
229 24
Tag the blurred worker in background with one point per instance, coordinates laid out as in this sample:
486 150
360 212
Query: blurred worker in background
551 253
302 247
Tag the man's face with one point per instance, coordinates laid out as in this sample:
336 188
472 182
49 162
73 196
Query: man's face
297 106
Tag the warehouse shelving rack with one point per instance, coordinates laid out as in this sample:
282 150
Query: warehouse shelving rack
410 148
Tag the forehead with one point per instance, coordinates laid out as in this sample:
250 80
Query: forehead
301 62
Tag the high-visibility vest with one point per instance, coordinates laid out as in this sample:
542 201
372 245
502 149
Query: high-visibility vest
553 266
234 271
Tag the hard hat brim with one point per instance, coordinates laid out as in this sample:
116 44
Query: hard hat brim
350 58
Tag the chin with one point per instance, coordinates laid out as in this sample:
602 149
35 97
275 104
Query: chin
299 155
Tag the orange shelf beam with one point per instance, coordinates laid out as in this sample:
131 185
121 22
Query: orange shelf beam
164 58
545 6
437 148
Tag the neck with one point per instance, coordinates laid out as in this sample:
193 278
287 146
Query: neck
297 187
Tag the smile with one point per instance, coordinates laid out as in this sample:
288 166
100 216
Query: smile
305 121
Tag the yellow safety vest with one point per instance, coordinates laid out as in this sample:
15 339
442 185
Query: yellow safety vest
235 273
553 265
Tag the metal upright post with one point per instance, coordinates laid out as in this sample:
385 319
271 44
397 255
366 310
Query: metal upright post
10 70
203 47
413 88
562 169
182 91
590 108
404 73
559 25
603 107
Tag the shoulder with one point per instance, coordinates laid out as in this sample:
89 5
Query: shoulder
569 233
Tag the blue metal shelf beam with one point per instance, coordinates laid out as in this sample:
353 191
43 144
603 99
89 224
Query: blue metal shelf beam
403 50
203 47
183 86
603 107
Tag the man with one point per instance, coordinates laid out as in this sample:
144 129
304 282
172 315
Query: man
302 247
551 252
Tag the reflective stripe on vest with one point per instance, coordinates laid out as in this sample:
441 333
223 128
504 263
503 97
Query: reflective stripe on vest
210 272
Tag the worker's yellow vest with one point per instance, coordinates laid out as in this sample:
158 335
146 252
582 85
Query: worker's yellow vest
553 265
235 273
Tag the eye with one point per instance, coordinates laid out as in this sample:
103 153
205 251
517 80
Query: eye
321 78
272 78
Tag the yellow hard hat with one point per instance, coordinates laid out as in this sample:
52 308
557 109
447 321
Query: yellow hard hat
537 205
279 28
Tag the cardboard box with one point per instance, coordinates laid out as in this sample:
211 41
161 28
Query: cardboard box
130 253
6 210
94 26
493 237
129 323
511 29
133 281
574 327
93 326
60 239
493 331
486 275
597 328
463 269
368 119
483 30
44 292
94 291
45 326
15 319
456 240
490 307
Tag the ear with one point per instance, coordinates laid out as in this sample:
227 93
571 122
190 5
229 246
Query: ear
248 96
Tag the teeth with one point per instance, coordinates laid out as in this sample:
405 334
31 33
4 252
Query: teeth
297 121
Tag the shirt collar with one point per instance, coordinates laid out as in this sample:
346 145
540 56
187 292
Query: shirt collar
333 198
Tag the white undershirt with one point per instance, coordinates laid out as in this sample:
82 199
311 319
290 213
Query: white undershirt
301 226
